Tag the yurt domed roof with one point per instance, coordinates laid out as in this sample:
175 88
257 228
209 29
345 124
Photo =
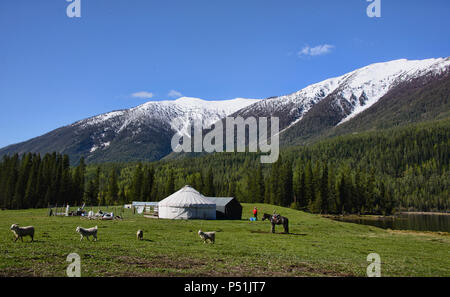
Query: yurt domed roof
186 197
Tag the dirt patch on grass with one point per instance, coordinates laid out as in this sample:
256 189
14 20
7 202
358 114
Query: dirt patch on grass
196 267
292 270
162 266
17 271
308 269
162 262
175 266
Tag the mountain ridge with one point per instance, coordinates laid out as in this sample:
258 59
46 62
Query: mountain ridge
144 132
294 106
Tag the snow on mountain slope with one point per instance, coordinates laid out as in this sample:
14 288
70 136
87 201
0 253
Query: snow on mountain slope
168 110
159 113
144 132
374 81
353 93
360 88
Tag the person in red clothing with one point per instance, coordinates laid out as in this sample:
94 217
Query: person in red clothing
255 213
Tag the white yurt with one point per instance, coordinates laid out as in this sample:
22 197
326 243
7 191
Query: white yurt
187 204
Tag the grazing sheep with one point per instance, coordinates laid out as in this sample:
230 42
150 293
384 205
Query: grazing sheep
87 232
211 236
20 232
140 235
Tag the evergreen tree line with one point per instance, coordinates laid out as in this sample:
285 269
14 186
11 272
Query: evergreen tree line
30 181
377 172
319 187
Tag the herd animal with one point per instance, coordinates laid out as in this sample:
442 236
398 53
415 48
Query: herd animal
20 232
87 232
140 235
211 236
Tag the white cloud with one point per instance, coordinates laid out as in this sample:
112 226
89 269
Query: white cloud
174 94
142 95
316 51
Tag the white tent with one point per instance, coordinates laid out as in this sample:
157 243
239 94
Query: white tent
186 204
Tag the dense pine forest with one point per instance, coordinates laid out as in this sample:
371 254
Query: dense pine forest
378 172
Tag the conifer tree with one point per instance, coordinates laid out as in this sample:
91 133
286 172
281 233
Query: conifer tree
259 185
324 192
147 183
91 194
170 185
208 188
78 182
136 186
112 195
309 184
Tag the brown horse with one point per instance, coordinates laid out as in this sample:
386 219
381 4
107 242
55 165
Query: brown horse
277 219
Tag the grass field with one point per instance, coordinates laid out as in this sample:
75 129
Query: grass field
317 247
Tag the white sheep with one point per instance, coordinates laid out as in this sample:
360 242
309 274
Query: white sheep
87 232
20 232
140 235
211 236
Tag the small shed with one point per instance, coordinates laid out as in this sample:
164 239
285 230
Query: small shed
145 206
227 208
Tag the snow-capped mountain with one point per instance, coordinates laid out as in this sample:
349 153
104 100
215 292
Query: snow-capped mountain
140 133
144 132
353 92
165 111
161 113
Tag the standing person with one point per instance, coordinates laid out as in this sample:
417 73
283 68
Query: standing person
255 213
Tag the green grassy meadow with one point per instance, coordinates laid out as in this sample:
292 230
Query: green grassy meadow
317 247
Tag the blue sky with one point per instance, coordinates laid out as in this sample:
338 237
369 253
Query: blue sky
55 70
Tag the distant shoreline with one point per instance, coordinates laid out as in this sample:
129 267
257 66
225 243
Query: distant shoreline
425 213
380 217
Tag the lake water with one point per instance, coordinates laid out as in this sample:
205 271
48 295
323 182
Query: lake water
417 222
